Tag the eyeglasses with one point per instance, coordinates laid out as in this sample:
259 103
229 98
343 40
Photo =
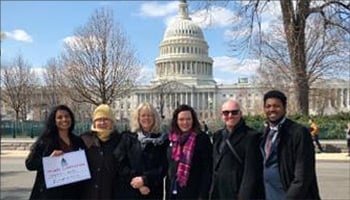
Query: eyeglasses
102 120
233 112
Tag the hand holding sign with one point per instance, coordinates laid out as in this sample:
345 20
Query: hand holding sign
68 168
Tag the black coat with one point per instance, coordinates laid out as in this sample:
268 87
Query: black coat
200 174
42 149
149 162
296 160
103 166
234 179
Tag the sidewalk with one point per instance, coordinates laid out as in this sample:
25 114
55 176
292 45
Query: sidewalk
332 157
319 156
22 153
14 153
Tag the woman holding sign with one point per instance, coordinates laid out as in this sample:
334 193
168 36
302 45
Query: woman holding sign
56 139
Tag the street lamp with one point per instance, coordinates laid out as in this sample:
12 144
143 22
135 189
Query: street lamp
210 103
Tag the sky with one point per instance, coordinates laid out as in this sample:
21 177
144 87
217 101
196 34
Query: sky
37 31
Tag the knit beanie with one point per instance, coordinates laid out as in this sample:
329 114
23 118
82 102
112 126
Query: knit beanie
103 111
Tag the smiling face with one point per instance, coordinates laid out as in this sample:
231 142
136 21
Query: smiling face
274 110
103 123
63 120
146 120
230 114
185 121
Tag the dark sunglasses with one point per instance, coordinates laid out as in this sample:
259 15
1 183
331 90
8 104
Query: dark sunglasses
233 112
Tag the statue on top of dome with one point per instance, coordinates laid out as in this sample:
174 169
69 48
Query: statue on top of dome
183 11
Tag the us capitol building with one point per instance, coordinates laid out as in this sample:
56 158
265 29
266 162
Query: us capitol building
184 75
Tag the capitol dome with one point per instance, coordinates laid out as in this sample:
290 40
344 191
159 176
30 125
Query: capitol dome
183 26
184 53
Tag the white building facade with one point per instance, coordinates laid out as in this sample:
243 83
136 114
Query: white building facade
184 75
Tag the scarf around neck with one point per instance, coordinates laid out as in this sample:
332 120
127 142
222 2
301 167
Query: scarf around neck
182 153
102 134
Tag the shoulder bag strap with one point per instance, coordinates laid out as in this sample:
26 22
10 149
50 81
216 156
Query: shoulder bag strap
234 152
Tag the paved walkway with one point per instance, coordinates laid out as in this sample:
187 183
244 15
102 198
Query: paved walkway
319 156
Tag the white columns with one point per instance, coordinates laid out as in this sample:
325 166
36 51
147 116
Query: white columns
192 99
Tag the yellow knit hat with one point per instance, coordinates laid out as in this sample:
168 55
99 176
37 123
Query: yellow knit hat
103 111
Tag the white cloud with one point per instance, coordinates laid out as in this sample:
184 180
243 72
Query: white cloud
38 70
269 18
214 17
223 80
230 34
70 40
233 65
19 35
75 42
146 75
39 73
154 9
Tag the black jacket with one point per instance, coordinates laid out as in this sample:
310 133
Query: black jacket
103 166
134 160
42 149
199 180
296 160
237 176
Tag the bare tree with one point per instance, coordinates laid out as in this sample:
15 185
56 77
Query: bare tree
332 15
326 56
99 65
51 77
17 85
164 89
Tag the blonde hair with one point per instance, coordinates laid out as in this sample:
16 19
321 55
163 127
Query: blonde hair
134 122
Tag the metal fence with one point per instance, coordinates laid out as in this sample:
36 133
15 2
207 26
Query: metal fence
34 128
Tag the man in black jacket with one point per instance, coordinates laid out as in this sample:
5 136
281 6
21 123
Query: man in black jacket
237 160
288 151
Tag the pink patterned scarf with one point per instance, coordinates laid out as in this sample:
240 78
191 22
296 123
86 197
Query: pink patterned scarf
182 152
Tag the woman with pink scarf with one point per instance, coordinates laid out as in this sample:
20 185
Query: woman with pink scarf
189 156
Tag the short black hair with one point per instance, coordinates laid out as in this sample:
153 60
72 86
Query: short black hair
277 95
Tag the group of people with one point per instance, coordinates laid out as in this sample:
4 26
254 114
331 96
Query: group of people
239 163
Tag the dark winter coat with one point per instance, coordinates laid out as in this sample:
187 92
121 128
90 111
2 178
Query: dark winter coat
200 174
103 166
42 148
296 161
237 176
149 162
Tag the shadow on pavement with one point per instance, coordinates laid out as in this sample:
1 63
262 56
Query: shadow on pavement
10 173
15 193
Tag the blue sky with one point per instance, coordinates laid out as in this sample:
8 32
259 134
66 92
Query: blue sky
37 29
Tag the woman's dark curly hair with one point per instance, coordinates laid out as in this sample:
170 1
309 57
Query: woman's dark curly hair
51 130
195 126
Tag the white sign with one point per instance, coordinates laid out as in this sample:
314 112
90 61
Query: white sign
68 168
